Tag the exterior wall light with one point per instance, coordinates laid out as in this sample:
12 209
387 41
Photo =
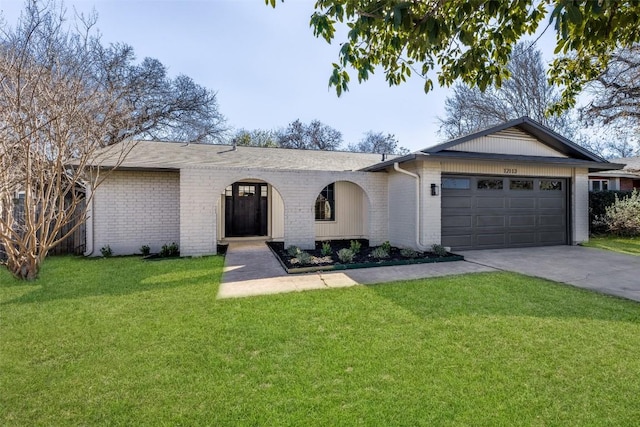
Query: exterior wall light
434 190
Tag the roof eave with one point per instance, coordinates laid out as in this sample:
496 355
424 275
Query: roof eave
383 165
558 161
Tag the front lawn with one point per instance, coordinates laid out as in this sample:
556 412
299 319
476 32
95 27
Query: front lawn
126 342
625 245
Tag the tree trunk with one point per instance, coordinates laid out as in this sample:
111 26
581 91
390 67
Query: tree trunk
26 267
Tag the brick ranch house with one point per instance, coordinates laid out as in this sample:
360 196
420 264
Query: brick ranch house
514 185
625 179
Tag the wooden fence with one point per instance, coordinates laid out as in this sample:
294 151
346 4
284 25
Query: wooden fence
74 244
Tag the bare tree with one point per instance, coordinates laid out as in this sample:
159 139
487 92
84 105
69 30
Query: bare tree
378 142
616 102
63 98
617 90
314 136
525 93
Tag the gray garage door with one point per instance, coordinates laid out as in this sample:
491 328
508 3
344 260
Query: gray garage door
481 212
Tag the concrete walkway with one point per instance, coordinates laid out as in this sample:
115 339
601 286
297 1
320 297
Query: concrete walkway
251 269
590 268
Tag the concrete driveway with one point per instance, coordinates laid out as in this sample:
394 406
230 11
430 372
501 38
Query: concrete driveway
251 269
595 269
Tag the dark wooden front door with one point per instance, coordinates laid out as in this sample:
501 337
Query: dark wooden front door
246 210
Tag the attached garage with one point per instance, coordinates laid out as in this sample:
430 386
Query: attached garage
482 212
518 184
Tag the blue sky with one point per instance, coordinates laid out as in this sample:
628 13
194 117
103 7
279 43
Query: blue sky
265 65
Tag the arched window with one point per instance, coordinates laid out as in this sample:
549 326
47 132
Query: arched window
325 204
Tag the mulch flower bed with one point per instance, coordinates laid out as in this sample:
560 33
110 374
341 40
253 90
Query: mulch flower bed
365 257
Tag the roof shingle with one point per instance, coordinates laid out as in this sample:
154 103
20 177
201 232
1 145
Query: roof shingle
171 155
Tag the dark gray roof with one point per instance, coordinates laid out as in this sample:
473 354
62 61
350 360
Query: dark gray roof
171 155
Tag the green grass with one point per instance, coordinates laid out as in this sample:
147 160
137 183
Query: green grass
625 245
123 342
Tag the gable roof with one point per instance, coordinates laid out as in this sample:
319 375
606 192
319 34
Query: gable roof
560 150
543 134
173 156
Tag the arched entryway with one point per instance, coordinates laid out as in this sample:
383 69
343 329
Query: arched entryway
250 208
341 211
246 209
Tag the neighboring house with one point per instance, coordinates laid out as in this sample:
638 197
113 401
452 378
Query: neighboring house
627 178
514 185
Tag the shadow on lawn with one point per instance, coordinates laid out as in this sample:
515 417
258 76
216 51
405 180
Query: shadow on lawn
100 277
504 294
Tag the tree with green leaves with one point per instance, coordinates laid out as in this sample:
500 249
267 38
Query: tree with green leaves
379 143
255 138
472 40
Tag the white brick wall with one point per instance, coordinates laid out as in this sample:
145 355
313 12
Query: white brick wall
201 187
131 209
198 212
431 217
402 210
580 206
402 206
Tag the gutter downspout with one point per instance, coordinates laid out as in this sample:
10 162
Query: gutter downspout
89 223
415 176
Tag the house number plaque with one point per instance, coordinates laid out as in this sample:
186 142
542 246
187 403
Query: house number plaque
510 170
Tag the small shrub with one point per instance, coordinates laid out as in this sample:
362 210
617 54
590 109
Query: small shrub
386 246
379 253
106 251
439 250
408 253
623 217
170 250
293 251
304 258
355 246
599 201
326 249
164 251
145 250
346 255
174 249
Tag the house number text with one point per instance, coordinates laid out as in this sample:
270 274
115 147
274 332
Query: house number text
510 170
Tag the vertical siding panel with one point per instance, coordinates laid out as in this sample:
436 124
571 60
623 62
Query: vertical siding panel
509 141
351 214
